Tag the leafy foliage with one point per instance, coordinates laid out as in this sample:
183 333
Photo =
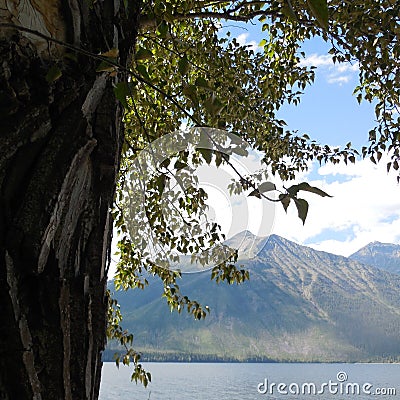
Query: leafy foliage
186 69
124 339
368 33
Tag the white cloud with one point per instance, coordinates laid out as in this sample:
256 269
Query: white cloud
339 79
334 73
365 208
317 60
242 40
345 67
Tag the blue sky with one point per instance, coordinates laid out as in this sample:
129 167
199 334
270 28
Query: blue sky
328 110
366 202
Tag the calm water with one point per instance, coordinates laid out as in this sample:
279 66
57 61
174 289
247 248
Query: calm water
203 381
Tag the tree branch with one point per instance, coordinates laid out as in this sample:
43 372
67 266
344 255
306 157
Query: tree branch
234 14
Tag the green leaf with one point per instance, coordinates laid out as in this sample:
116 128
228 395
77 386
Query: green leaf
302 209
53 74
71 56
183 65
266 187
143 54
207 154
106 66
160 182
255 193
143 71
165 163
162 29
190 92
308 188
122 91
180 165
319 9
285 200
293 190
218 159
112 53
201 82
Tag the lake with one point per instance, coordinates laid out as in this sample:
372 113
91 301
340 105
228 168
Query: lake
254 381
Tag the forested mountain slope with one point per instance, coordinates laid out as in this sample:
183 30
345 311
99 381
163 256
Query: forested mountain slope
299 305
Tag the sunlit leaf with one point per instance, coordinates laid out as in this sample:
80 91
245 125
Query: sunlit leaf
112 53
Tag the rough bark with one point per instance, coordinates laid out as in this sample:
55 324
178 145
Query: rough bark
59 155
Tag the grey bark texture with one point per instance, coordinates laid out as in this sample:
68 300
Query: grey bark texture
60 145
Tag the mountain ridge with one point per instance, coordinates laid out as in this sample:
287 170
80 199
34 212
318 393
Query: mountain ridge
380 255
300 304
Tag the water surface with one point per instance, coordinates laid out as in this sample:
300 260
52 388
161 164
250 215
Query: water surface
247 381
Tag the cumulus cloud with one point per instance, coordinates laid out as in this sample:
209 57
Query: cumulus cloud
334 72
365 208
242 40
317 60
338 79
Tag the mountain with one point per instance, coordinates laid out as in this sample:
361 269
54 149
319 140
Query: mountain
299 305
248 244
380 255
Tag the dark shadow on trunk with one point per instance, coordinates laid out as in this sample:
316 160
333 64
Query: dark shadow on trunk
60 145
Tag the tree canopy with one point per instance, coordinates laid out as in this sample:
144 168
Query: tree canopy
188 68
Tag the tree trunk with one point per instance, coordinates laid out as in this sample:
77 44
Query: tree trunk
59 154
